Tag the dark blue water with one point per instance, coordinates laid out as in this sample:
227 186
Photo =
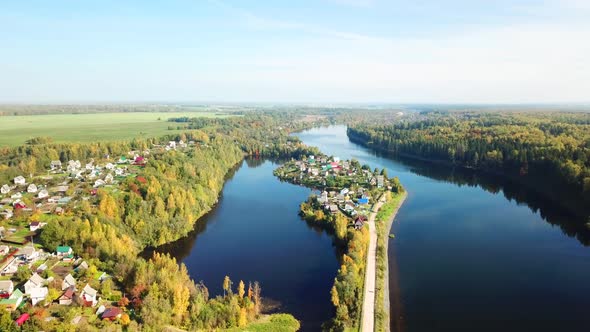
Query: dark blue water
476 253
256 234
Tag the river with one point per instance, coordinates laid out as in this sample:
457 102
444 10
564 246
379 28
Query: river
471 252
476 253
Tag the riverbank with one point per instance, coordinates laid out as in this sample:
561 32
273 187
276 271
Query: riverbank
387 213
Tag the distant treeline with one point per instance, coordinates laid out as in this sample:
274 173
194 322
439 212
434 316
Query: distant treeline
549 151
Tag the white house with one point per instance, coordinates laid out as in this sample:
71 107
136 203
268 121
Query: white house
5 189
68 282
109 178
17 196
74 165
38 294
34 225
55 165
109 166
20 180
43 194
99 183
89 295
172 144
34 282
32 188
29 253
4 249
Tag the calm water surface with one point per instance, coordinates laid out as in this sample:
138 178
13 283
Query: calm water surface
474 253
255 233
471 253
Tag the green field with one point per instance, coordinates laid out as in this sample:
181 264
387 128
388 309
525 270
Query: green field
16 130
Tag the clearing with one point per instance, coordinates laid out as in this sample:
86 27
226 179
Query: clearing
16 130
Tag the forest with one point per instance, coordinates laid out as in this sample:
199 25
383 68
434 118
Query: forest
525 147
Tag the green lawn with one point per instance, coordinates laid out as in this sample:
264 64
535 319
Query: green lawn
272 323
15 130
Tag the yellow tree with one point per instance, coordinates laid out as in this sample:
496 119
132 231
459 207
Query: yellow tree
241 289
335 298
226 285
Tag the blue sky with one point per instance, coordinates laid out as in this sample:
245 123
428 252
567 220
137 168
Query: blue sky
323 51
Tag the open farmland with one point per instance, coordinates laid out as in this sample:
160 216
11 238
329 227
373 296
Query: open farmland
16 130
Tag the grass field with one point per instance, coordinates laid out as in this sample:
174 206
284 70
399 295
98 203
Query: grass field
15 130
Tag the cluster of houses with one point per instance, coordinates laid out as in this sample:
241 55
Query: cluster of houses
51 198
323 167
36 289
353 200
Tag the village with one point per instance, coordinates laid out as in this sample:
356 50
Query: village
340 186
32 276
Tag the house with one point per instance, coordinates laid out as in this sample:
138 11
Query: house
20 180
171 145
32 188
62 189
59 210
13 301
4 250
122 160
344 191
112 313
29 253
6 288
18 205
34 225
17 196
5 189
43 194
64 200
109 166
55 165
119 171
67 297
89 296
74 165
380 180
333 208
359 222
99 183
63 251
90 166
35 281
82 266
22 319
38 294
139 160
68 282
7 214
109 178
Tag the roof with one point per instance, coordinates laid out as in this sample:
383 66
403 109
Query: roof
6 285
23 318
39 292
112 312
36 279
89 290
34 223
70 280
69 293
63 249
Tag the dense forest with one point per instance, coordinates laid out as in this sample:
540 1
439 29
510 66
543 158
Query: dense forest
526 147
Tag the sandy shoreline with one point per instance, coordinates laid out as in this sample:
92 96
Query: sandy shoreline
386 302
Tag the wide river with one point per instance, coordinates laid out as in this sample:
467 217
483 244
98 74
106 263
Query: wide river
471 252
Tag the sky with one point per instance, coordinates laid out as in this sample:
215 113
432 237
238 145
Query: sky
322 51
